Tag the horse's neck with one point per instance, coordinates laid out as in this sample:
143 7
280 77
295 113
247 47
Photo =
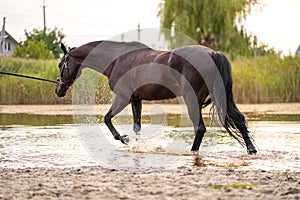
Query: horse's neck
101 56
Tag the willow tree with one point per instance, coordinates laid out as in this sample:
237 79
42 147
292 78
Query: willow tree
212 23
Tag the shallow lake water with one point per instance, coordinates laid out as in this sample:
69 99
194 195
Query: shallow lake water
56 141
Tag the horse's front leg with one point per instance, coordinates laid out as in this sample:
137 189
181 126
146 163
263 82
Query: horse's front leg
118 105
136 105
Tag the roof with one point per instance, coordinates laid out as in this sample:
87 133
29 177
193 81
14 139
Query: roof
298 50
11 38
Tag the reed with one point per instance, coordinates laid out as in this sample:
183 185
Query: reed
267 79
255 80
16 90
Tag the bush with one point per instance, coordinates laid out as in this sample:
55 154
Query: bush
33 49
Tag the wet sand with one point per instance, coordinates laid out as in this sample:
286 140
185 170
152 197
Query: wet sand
187 182
181 183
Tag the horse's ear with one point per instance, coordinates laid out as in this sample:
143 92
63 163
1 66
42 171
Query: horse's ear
63 48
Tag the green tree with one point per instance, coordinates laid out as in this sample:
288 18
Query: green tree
33 49
212 23
51 38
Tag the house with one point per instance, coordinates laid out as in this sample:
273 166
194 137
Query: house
298 51
9 45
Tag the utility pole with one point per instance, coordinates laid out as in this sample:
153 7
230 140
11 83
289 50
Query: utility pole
2 37
139 31
44 14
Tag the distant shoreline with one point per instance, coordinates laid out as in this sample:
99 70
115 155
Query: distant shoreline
276 108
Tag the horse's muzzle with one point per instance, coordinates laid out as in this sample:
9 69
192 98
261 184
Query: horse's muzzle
61 90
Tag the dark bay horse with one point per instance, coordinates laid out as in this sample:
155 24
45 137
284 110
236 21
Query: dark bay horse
137 72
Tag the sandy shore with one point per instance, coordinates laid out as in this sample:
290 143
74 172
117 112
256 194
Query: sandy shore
181 183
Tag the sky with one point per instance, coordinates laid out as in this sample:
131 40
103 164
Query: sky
277 25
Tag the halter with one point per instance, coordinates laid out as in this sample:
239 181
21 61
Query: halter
59 80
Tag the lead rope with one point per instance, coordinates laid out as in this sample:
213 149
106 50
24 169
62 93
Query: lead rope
29 77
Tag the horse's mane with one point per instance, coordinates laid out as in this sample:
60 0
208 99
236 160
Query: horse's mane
81 51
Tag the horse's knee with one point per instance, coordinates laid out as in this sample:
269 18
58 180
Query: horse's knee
201 129
107 118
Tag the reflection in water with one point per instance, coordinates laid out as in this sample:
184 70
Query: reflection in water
34 120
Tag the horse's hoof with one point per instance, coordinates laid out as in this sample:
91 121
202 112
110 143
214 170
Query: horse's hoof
251 151
136 128
124 139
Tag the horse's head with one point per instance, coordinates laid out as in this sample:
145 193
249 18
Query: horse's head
68 67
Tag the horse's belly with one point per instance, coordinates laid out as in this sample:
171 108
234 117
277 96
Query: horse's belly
157 92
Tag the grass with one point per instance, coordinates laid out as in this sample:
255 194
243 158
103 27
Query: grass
255 80
234 186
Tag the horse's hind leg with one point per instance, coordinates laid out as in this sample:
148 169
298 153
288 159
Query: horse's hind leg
118 105
199 133
136 105
236 117
194 109
240 123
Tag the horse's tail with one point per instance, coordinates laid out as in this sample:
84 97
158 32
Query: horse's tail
232 120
